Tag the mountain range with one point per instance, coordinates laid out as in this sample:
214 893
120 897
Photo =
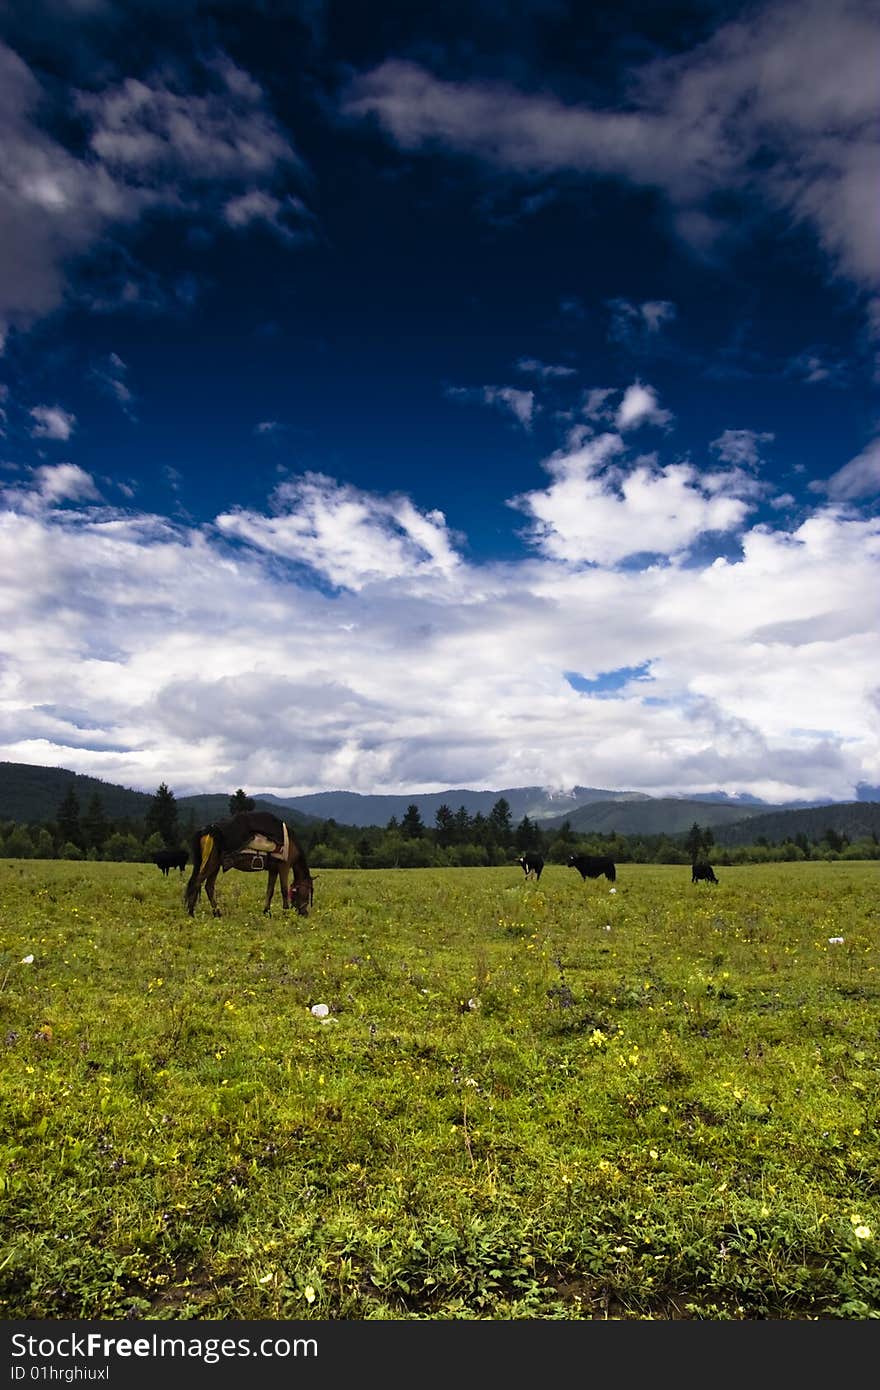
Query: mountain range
32 794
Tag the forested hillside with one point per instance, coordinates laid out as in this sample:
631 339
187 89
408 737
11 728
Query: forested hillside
33 794
854 819
662 816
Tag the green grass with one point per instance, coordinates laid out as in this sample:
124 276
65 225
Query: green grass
527 1101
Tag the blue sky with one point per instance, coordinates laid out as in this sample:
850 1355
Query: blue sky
400 397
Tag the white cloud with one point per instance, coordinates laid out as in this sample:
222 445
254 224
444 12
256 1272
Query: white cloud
51 422
65 482
635 324
858 478
110 376
639 406
288 216
151 147
421 670
351 537
779 106
545 370
520 404
593 513
741 447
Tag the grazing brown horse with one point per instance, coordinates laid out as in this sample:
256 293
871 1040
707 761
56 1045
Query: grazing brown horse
251 841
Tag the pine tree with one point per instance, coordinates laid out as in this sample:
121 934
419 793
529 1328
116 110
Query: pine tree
694 842
445 823
240 803
499 819
411 827
69 828
95 824
162 817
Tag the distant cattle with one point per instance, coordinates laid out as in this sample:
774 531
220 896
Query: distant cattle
592 866
171 859
532 865
703 872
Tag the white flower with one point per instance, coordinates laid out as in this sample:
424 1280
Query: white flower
27 960
607 926
862 1232
320 1010
612 890
835 941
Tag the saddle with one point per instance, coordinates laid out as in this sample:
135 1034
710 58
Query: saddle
254 856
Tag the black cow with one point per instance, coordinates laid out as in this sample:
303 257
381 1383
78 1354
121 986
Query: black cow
171 859
592 866
704 872
532 865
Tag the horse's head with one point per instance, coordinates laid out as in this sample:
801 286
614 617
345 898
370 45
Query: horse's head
301 894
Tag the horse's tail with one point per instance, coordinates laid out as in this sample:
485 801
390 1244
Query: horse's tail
611 872
201 846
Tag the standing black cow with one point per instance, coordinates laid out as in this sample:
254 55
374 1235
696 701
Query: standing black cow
170 859
532 865
592 866
704 872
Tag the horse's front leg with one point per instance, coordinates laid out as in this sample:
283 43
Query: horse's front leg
270 888
210 881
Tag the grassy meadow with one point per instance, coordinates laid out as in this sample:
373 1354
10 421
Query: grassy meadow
525 1100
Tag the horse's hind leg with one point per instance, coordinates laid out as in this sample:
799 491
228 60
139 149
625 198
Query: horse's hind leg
284 874
210 882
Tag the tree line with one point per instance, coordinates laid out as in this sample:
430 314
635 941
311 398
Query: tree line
456 839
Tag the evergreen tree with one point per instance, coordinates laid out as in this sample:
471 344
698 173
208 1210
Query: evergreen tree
162 817
695 842
499 819
240 803
462 826
445 822
565 833
481 831
411 827
67 818
95 824
527 835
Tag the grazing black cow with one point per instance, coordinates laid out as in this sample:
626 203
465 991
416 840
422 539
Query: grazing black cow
532 865
592 866
704 872
170 859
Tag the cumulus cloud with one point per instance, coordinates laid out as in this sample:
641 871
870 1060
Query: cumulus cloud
51 422
741 447
596 512
640 406
762 668
857 479
777 107
151 146
63 482
351 537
